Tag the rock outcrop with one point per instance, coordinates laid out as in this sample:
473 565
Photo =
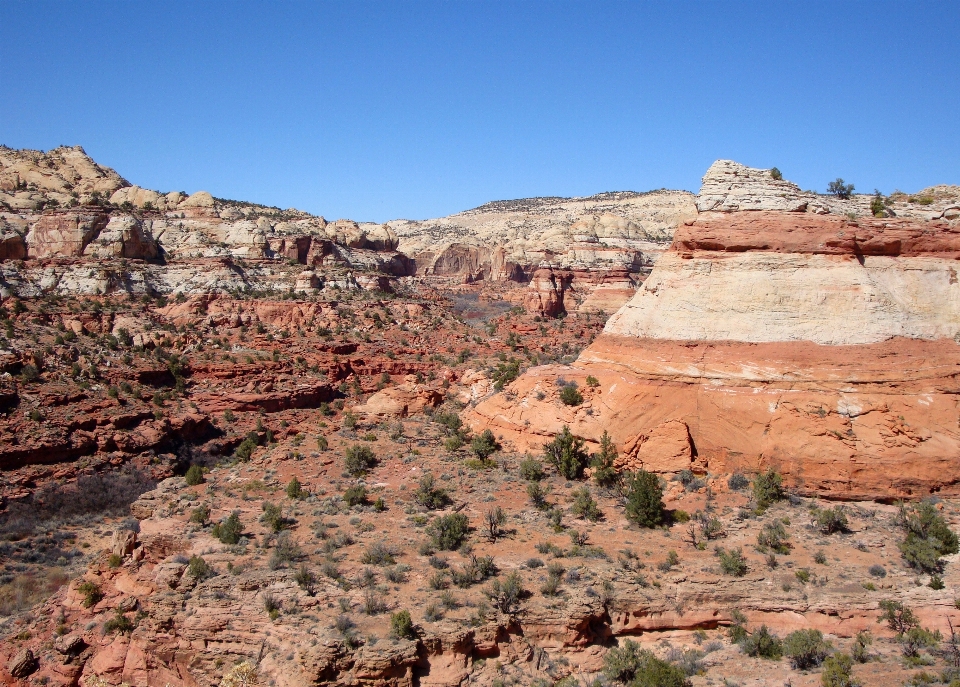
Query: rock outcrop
824 346
509 239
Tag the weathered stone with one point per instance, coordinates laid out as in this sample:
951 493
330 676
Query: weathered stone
23 664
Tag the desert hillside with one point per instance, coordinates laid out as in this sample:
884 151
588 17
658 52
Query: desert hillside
631 439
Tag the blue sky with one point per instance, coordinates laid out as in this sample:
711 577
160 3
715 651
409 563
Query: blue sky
376 111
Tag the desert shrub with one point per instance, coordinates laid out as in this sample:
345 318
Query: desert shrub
732 562
448 531
448 419
194 475
359 459
773 535
505 594
710 526
344 624
566 454
551 585
767 489
928 536
776 174
802 575
438 580
199 569
859 651
671 560
270 605
738 628
355 495
430 496
877 206
630 665
570 395
396 573
305 579
898 617
378 553
273 517
504 373
119 623
476 569
29 373
585 506
830 520
763 643
820 558
91 593
245 449
114 561
229 530
285 551
493 521
537 494
401 625
294 489
738 481
806 648
877 570
840 189
917 638
531 469
644 497
373 603
604 473
836 672
329 569
484 445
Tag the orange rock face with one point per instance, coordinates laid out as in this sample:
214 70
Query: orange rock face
849 422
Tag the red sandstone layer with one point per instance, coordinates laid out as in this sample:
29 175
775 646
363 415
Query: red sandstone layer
782 232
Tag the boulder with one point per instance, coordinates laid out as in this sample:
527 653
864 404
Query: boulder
69 644
399 401
200 199
23 664
123 542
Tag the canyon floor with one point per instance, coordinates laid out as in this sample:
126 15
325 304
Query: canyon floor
259 392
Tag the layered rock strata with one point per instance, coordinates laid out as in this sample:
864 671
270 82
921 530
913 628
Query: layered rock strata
824 346
510 239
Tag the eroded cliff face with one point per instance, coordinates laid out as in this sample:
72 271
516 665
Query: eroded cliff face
824 345
766 277
65 215
510 239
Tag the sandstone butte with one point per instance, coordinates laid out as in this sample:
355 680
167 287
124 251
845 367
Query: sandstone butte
786 336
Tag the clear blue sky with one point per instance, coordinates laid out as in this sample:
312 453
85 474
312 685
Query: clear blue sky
375 111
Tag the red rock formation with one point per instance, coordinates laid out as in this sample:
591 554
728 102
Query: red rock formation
547 292
873 418
818 234
65 234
